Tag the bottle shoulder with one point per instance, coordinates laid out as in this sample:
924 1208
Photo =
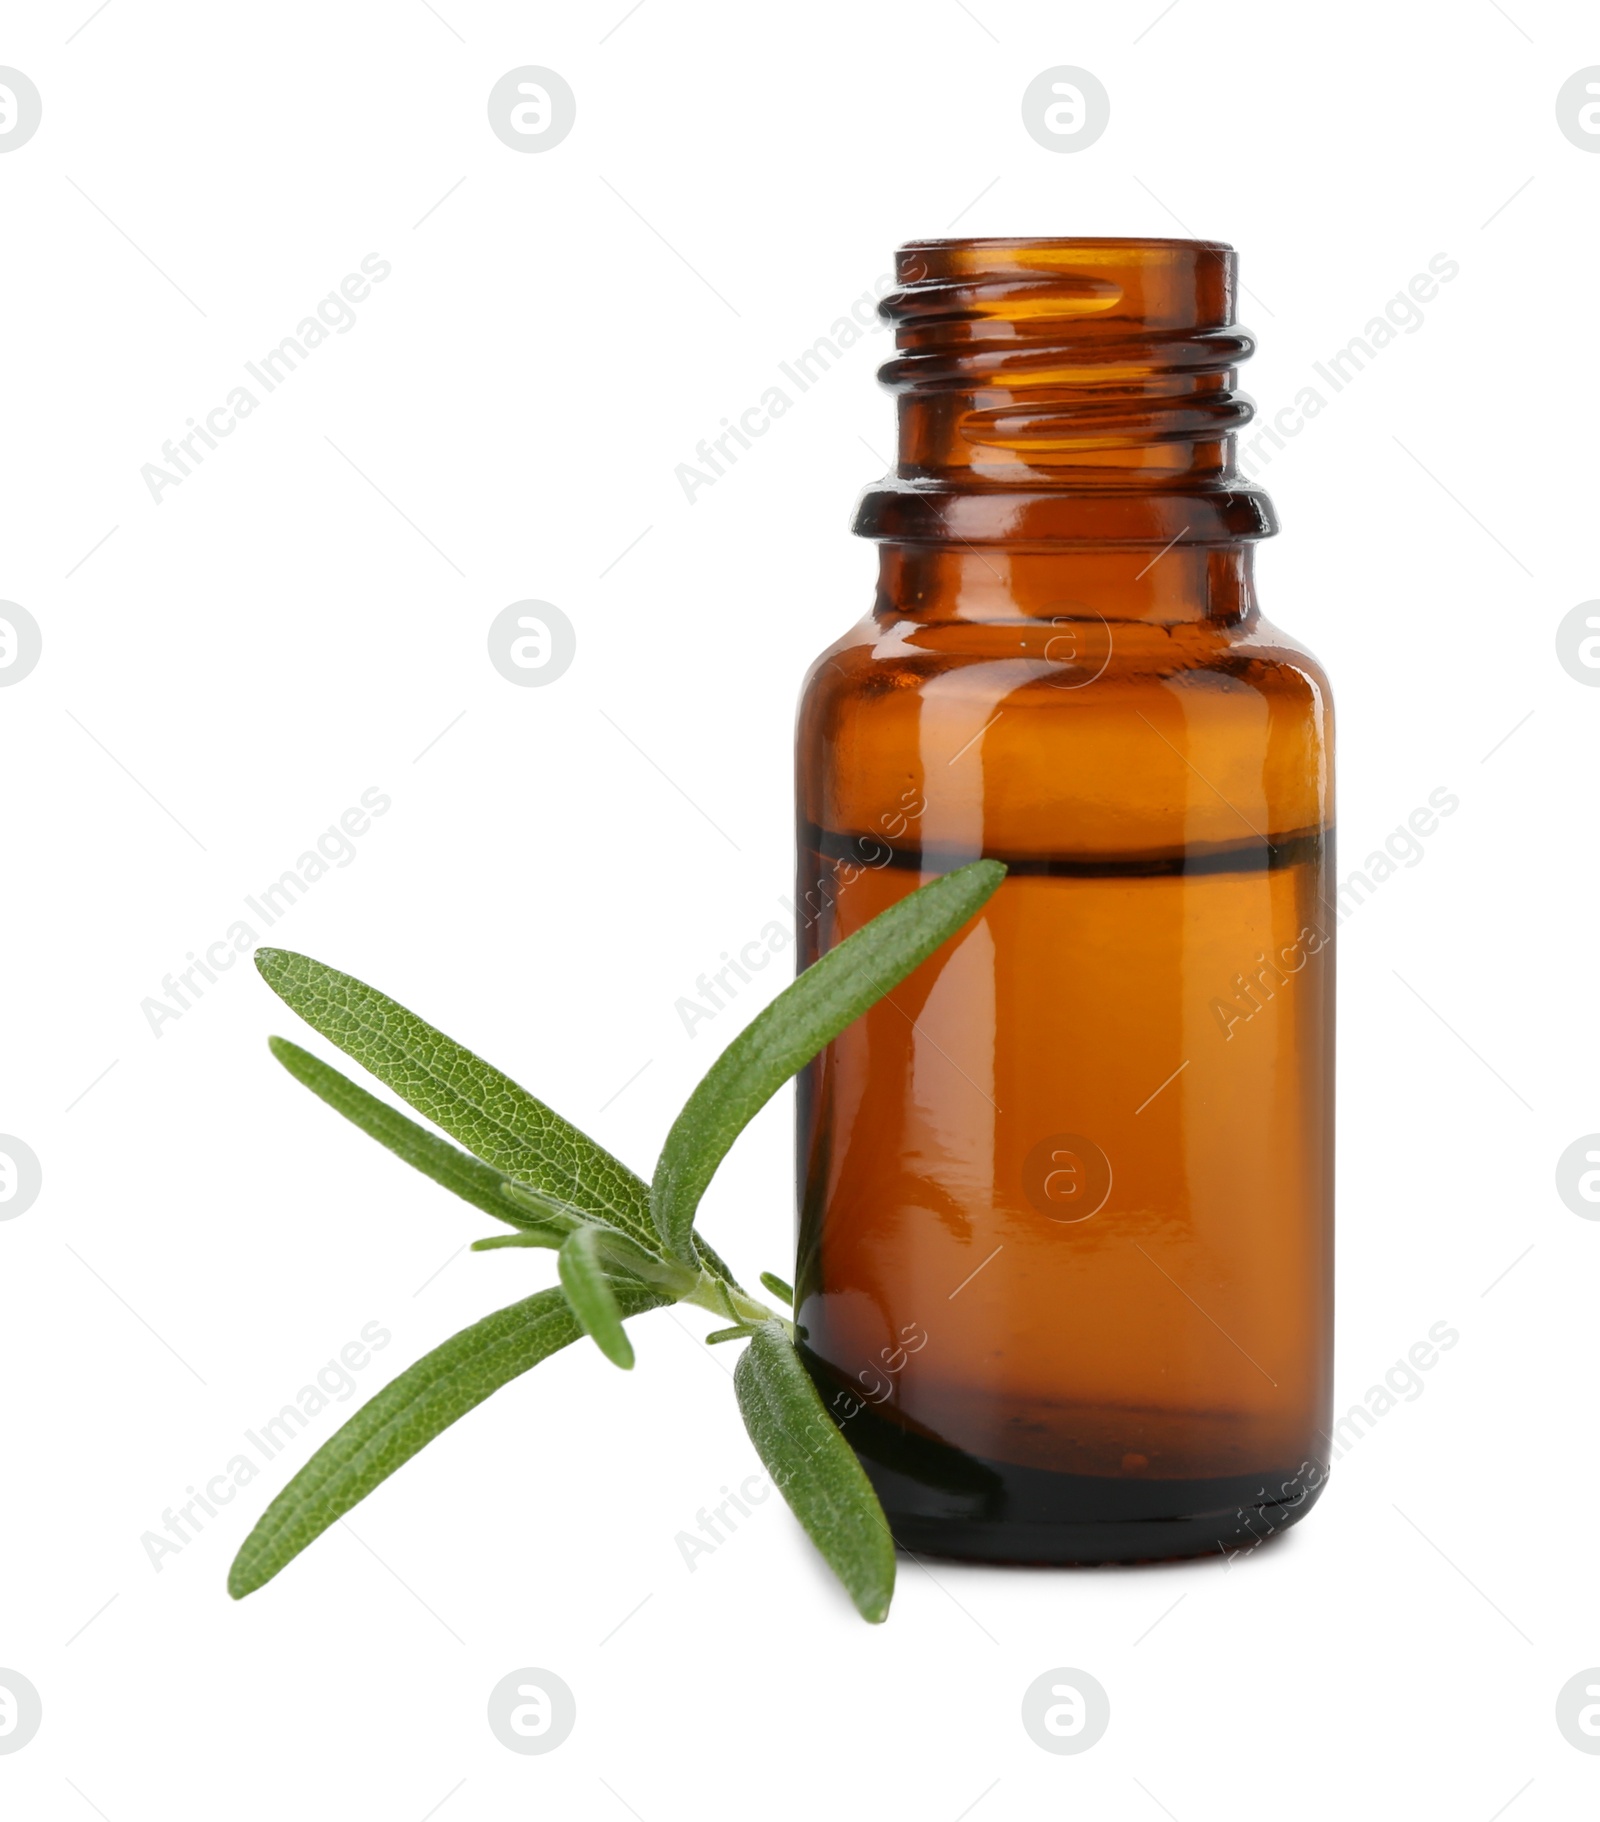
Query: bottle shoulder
1079 733
881 657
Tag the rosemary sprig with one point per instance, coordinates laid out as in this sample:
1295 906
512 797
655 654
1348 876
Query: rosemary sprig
622 1247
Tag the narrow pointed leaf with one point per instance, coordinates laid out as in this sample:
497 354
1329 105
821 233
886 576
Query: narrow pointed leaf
815 1469
406 1415
546 1210
710 1260
528 1236
459 1172
475 1103
589 1292
778 1287
786 1035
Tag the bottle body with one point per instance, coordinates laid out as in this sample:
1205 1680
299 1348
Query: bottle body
1065 1235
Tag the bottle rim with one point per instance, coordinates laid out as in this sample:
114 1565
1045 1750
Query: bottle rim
1075 241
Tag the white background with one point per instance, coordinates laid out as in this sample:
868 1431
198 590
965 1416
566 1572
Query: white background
277 635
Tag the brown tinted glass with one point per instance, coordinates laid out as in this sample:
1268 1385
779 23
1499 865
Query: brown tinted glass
1065 1250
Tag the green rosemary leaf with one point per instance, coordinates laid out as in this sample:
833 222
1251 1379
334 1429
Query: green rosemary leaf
457 1170
547 1211
589 1292
712 1261
737 1333
479 1107
815 1469
550 1213
531 1236
778 1288
406 1415
786 1035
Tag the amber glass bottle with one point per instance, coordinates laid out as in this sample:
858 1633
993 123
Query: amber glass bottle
1065 1236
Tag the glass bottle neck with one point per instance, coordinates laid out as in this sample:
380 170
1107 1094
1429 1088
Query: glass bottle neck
1066 392
994 584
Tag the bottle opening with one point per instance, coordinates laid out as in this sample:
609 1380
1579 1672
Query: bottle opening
1089 382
